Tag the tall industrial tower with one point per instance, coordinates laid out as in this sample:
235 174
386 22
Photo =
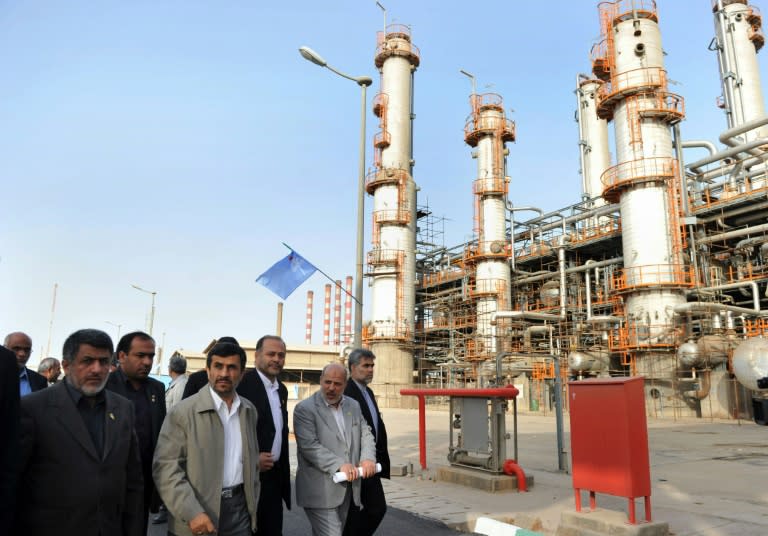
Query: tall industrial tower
645 182
487 130
391 261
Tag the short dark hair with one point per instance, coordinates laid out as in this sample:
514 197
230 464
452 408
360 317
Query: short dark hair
228 339
226 349
178 364
260 342
357 354
93 337
127 340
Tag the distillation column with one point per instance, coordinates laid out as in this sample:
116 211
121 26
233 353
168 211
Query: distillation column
738 38
392 260
487 129
595 156
644 182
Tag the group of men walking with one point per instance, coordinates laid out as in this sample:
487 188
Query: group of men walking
93 454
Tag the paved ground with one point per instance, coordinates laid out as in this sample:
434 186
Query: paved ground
709 478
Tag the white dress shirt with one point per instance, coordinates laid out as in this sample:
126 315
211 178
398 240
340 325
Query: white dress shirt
338 415
232 474
277 415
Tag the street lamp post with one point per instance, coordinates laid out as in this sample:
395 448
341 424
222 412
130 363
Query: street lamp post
152 310
118 326
362 81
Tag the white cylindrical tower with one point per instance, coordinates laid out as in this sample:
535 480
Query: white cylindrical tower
739 36
487 129
595 156
392 260
645 180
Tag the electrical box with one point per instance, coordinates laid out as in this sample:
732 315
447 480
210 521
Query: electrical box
609 440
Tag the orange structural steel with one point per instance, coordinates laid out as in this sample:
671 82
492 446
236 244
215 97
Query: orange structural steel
509 392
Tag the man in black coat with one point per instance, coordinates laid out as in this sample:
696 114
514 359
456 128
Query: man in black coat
135 354
361 522
80 473
270 396
21 345
9 446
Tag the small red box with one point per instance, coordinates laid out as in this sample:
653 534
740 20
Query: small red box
609 440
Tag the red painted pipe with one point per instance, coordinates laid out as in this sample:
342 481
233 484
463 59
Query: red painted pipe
497 392
511 468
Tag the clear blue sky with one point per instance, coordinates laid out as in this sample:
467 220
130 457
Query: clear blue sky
176 144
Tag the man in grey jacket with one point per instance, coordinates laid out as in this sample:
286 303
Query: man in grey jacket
332 436
206 464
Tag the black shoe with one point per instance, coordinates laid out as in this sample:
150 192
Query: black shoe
160 518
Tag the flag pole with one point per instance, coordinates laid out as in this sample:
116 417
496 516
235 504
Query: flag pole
332 280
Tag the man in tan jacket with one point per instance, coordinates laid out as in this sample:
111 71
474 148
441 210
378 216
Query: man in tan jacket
206 464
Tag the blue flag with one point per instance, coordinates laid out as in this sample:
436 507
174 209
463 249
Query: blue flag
287 274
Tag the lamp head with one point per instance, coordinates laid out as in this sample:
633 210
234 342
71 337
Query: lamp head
312 56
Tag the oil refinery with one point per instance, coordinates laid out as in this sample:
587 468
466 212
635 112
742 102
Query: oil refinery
659 270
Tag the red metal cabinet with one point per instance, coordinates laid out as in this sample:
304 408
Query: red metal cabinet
609 440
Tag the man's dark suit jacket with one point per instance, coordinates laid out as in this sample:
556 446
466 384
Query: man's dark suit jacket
155 391
195 382
9 445
252 388
382 454
65 487
36 380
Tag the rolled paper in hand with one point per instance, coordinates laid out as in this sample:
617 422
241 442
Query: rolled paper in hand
340 477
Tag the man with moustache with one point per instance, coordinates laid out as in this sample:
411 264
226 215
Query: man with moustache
21 344
270 396
206 463
331 436
80 473
135 353
198 380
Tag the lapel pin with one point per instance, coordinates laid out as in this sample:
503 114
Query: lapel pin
111 415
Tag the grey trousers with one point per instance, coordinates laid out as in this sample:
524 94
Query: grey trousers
234 519
329 521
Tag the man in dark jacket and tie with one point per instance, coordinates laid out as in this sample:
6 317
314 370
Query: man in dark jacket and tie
361 522
270 396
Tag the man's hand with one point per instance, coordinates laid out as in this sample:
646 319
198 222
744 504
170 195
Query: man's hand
266 462
369 468
349 470
201 524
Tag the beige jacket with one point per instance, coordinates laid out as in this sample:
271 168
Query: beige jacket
189 459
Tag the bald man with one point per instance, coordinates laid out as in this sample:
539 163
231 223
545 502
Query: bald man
21 344
332 436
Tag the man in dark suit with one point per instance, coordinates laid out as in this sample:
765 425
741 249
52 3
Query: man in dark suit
361 522
135 353
9 446
270 396
198 380
80 473
21 345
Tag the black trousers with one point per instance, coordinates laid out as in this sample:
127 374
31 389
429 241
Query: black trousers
365 521
269 517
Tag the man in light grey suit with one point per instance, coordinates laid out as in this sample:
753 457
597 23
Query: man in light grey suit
332 436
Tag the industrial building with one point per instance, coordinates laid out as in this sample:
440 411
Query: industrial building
660 269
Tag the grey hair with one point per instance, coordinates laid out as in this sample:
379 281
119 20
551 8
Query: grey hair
47 364
357 354
177 364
